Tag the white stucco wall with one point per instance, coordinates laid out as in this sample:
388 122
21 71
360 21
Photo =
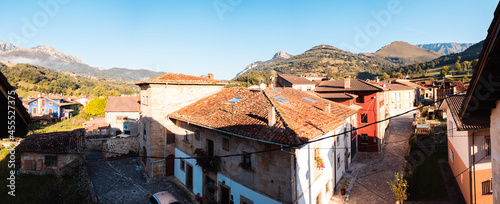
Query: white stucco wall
459 139
311 181
181 175
238 190
495 151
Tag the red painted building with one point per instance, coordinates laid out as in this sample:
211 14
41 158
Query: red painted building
371 99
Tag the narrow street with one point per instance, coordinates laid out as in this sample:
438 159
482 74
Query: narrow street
371 172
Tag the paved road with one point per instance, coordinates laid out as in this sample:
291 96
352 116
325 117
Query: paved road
371 171
124 181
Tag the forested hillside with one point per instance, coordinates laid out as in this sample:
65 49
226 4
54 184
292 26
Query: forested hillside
29 78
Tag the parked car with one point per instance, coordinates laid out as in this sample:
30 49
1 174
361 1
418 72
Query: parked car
163 197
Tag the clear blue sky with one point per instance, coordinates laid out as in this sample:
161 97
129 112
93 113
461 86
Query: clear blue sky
223 36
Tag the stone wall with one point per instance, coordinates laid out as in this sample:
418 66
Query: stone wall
117 146
34 163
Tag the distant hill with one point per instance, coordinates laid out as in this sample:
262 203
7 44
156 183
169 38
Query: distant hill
50 57
322 60
30 78
470 54
404 53
446 48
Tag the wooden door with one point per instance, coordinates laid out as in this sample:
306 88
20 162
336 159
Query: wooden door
170 165
189 177
225 195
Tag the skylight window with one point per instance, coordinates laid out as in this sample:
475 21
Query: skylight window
312 100
280 99
234 100
276 91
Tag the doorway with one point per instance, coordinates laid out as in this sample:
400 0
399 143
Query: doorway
189 177
170 165
225 194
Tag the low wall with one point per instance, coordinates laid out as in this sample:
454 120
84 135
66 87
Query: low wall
112 147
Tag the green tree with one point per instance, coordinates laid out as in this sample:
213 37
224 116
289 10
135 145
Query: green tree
95 107
384 76
99 91
399 187
458 67
445 70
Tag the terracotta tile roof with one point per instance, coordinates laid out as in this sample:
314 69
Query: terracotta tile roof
296 80
338 86
53 98
454 104
56 142
398 87
298 119
123 104
337 96
459 86
180 79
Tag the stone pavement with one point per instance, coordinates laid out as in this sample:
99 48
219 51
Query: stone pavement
370 173
124 181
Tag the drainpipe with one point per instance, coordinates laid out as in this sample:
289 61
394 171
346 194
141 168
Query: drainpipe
474 165
335 162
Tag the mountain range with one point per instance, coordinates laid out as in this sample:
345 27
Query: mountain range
52 58
446 48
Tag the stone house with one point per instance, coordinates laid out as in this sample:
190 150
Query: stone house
295 81
161 96
278 123
96 128
56 152
468 146
122 113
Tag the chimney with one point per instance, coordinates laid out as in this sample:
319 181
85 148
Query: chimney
210 76
271 119
327 107
347 82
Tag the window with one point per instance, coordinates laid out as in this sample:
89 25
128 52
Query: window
327 187
182 165
364 138
360 99
51 161
34 110
225 144
210 147
50 111
127 132
247 160
50 103
488 146
338 161
121 119
407 95
144 100
316 152
244 200
364 117
43 110
170 138
144 131
186 137
487 187
34 102
42 102
451 155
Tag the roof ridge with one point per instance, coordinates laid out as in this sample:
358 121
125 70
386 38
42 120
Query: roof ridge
367 83
297 140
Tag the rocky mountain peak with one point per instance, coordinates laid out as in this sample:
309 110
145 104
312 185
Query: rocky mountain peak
282 54
5 46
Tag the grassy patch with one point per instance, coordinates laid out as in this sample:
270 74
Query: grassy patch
41 188
68 124
427 183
